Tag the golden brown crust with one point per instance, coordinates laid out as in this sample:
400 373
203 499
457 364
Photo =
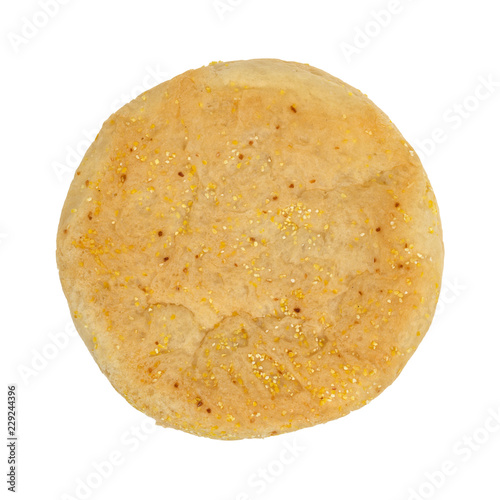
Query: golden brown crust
249 249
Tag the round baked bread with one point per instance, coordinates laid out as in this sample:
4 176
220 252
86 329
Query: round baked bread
249 249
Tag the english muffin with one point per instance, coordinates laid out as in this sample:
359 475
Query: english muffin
249 249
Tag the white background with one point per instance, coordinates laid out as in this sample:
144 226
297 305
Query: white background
425 65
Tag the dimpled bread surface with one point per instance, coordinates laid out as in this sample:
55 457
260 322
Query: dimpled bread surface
249 249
